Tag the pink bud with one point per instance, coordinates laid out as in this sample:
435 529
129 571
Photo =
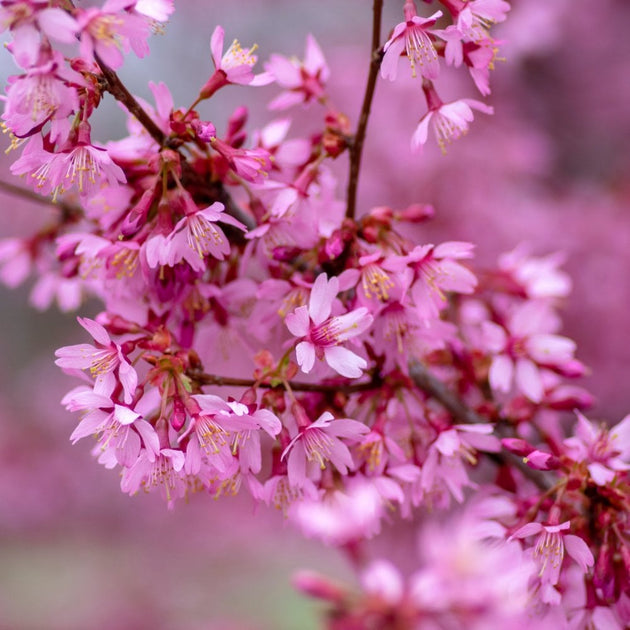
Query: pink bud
237 121
178 419
317 585
517 446
542 461
416 213
205 131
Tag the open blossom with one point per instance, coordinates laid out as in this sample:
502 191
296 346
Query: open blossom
303 81
110 32
106 361
28 22
164 471
82 165
321 334
445 467
411 37
120 431
40 95
450 121
252 165
194 237
548 553
523 347
233 66
318 443
606 450
432 270
477 16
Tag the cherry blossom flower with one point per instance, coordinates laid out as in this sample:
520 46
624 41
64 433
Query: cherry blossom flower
233 66
449 120
303 81
83 165
109 32
605 449
444 466
432 270
120 429
106 361
164 471
348 514
411 37
318 443
194 237
477 16
40 95
28 21
548 553
321 334
523 347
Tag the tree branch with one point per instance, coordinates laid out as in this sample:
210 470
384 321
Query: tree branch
356 148
67 209
213 379
117 89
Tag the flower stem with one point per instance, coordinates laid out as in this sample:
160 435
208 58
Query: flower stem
356 148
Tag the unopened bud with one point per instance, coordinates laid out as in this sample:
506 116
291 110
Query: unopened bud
317 585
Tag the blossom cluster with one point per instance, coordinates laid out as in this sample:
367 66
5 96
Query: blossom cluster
369 373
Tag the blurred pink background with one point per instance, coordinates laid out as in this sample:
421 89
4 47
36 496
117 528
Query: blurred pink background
550 168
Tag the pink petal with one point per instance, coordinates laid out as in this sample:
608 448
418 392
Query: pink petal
528 380
323 293
298 322
345 362
99 334
501 373
305 354
579 551
527 530
216 46
296 466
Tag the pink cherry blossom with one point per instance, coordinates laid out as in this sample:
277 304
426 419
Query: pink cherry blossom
450 121
431 271
28 21
233 66
164 471
523 347
321 334
110 32
318 443
411 37
120 430
303 81
195 236
106 361
548 553
606 450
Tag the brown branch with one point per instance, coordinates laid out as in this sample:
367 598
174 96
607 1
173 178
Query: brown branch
67 209
117 89
356 148
460 411
217 191
213 379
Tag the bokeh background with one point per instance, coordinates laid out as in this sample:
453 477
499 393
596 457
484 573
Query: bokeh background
551 169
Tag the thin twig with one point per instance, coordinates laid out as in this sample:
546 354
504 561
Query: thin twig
213 379
118 90
356 148
67 209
